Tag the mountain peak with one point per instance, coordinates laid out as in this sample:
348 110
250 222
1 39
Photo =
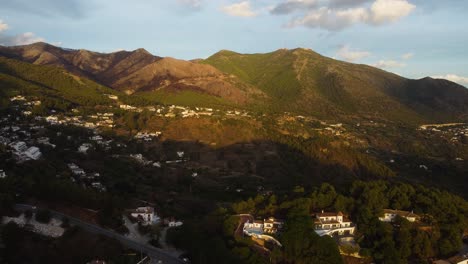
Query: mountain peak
142 51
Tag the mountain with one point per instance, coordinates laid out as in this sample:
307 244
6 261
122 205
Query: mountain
304 81
299 80
135 71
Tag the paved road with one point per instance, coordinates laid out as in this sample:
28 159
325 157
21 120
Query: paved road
157 255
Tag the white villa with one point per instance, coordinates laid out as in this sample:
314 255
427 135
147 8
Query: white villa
19 146
272 225
33 153
332 223
84 148
254 228
389 215
265 226
145 215
263 229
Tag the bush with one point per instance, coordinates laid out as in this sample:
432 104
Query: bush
43 216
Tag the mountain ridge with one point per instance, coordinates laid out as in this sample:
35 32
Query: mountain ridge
298 80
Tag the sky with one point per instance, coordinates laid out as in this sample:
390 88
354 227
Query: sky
413 38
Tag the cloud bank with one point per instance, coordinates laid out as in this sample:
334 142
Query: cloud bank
335 15
241 9
20 39
347 54
454 78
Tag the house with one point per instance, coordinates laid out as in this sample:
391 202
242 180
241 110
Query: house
145 215
19 146
333 223
174 223
33 153
99 186
389 215
76 170
2 174
18 98
127 107
272 225
52 119
96 138
84 148
254 228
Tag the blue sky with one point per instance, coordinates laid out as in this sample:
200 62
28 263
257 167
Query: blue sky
414 38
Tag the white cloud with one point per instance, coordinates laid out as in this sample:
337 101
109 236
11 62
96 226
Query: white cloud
454 78
3 26
347 54
20 39
384 11
385 64
331 19
26 38
241 9
333 16
407 56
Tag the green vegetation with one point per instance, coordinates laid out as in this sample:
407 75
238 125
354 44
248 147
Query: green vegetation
443 220
272 72
56 88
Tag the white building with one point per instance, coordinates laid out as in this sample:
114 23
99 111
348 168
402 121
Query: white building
18 98
33 153
84 148
145 215
272 225
254 228
19 146
175 223
389 215
332 223
52 119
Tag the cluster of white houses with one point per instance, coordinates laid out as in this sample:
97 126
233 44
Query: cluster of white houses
325 223
92 121
92 179
23 152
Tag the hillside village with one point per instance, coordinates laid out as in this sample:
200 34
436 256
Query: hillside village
32 137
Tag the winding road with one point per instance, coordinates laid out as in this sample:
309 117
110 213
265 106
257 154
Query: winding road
156 255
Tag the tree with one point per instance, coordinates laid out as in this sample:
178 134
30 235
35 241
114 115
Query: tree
300 242
43 216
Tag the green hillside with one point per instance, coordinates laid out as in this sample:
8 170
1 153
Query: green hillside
50 84
303 81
